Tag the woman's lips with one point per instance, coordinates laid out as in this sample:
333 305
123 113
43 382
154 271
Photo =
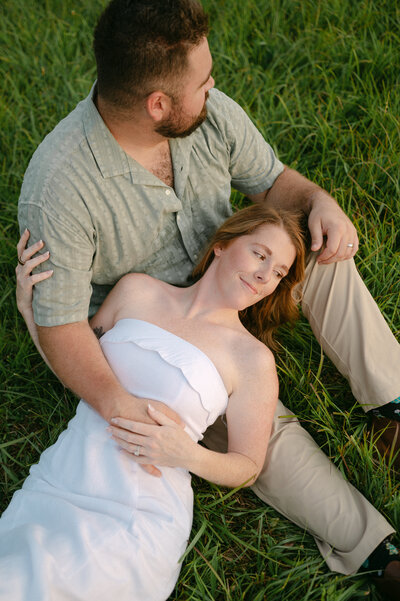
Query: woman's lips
249 286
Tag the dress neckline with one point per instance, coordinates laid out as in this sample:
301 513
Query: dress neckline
149 323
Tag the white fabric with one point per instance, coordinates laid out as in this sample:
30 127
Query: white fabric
89 523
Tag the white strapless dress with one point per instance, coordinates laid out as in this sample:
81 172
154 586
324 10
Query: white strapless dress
89 524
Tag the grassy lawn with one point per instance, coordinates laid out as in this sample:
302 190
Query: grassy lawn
320 80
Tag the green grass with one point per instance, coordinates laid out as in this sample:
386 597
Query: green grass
320 80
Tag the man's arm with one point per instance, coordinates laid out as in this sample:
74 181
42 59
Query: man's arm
75 355
253 166
325 218
72 350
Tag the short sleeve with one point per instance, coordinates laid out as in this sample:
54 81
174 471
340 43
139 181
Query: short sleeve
253 164
68 234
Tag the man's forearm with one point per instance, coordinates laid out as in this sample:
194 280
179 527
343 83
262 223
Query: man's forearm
76 357
326 220
291 190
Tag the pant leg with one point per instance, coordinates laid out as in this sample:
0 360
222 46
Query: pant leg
352 331
300 482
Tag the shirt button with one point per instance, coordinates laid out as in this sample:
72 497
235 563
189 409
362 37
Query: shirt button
167 192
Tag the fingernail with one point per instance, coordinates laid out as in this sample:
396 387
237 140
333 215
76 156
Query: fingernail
114 420
151 407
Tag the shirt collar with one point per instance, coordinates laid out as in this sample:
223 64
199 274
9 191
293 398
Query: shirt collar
110 157
112 160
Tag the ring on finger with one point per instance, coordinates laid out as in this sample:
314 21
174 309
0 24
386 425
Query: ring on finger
350 245
137 451
21 262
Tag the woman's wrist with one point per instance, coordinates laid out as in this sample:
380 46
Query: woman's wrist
195 459
25 310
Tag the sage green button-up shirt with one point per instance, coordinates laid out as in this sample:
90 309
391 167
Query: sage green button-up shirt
102 215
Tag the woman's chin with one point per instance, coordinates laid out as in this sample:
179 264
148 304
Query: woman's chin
248 304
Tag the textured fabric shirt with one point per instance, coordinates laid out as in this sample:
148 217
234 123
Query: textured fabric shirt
102 215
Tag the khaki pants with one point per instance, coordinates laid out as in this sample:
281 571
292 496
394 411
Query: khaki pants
298 480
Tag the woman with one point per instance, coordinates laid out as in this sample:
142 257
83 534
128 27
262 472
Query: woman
88 522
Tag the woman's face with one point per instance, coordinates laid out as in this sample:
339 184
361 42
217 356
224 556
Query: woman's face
251 267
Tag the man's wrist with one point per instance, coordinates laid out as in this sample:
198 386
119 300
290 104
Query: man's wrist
120 406
319 197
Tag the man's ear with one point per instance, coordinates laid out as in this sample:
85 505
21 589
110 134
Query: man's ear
218 248
158 105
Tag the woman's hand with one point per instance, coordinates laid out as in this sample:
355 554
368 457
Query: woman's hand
164 444
26 281
26 263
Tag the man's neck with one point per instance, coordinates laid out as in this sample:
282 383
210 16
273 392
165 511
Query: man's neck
137 138
136 134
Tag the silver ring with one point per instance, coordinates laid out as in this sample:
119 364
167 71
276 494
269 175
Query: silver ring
350 245
20 262
137 451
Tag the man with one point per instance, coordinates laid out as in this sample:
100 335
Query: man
137 178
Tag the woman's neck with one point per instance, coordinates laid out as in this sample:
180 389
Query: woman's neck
204 300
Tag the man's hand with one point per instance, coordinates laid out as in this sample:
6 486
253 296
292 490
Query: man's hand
326 218
164 443
137 412
136 409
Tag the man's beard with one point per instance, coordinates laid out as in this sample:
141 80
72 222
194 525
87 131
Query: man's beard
178 124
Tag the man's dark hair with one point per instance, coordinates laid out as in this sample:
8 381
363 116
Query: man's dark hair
142 45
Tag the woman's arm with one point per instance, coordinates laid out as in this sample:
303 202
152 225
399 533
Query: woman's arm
249 415
26 281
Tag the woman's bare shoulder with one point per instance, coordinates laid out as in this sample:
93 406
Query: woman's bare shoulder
142 296
258 353
254 361
137 280
140 285
249 348
134 292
